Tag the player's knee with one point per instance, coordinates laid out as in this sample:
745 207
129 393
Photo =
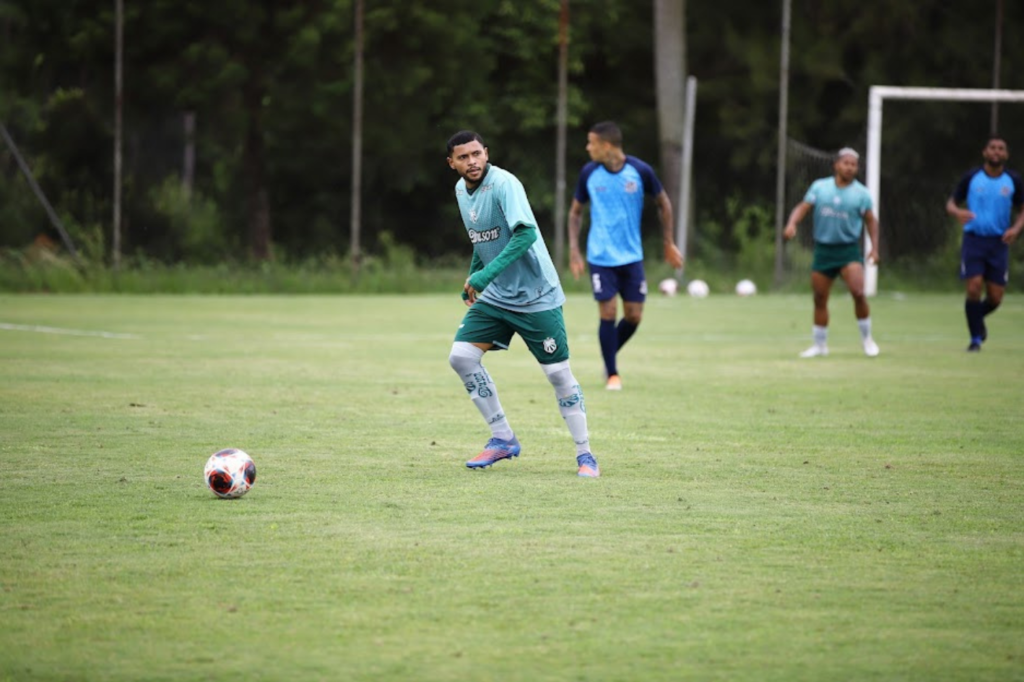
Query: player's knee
464 357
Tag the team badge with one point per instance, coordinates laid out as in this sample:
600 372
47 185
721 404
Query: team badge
550 346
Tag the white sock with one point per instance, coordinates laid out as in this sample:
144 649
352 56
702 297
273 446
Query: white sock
865 328
820 335
570 403
465 360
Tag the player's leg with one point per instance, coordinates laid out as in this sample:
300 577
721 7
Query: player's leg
853 275
997 271
972 272
480 331
545 336
821 286
605 283
633 289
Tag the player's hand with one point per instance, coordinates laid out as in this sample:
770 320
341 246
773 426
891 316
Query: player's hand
673 256
790 231
469 294
873 256
576 264
963 215
1010 236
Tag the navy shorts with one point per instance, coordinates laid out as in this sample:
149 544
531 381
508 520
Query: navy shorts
628 281
985 256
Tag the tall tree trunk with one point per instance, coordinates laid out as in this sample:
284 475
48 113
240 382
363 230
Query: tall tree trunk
670 83
355 219
257 203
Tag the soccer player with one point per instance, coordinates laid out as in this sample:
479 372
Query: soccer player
842 207
990 192
512 288
615 184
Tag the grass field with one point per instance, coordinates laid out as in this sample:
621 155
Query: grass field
759 517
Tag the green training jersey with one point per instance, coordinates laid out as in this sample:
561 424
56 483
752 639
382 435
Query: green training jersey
838 211
491 212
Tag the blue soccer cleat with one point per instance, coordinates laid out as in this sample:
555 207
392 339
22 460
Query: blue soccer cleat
495 451
588 466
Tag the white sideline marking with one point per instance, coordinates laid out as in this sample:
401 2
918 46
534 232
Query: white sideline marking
57 330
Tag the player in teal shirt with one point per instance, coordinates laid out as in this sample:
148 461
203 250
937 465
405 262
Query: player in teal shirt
842 208
512 288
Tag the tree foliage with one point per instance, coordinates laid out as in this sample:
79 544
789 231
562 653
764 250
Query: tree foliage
270 85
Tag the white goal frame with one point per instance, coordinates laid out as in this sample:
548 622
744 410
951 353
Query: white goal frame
876 96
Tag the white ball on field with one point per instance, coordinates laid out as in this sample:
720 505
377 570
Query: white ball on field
669 286
698 288
745 287
229 473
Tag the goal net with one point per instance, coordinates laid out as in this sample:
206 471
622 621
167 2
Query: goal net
910 162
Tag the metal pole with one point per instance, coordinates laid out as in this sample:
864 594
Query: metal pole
54 220
997 66
560 144
780 171
686 169
118 101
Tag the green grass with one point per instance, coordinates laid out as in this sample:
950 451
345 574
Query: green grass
759 517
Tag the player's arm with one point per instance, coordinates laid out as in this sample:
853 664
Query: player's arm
958 197
523 237
673 256
576 262
872 225
476 265
798 213
1010 236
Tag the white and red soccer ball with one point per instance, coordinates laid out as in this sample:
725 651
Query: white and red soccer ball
230 473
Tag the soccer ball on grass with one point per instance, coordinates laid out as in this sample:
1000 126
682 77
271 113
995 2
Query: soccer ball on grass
230 473
745 287
698 288
669 286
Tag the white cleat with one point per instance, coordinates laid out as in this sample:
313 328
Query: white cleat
870 348
815 351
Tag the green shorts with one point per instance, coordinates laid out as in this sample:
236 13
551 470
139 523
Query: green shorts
543 332
829 259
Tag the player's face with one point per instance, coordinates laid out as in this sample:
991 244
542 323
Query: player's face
470 161
995 153
597 148
846 168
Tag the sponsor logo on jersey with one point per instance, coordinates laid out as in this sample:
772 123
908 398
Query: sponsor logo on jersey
473 214
481 236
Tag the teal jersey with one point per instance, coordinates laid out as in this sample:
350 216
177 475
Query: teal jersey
491 212
838 211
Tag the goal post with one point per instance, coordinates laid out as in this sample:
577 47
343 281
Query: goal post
876 97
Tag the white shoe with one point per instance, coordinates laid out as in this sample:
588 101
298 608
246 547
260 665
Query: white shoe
815 351
870 348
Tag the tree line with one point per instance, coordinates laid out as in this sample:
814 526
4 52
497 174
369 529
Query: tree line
238 115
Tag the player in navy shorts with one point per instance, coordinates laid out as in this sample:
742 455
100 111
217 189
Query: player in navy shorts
615 184
991 193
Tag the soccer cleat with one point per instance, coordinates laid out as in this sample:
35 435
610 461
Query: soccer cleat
870 348
588 466
495 451
614 383
975 347
815 351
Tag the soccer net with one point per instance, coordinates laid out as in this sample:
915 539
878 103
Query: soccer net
910 163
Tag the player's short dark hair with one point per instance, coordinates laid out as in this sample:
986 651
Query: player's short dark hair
608 131
463 137
997 137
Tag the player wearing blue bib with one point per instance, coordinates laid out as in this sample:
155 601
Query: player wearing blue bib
842 208
990 193
615 184
512 288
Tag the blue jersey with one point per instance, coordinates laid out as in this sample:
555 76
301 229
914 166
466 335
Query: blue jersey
990 199
838 211
491 211
616 205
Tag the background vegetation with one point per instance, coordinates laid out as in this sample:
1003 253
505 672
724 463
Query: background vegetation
270 87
